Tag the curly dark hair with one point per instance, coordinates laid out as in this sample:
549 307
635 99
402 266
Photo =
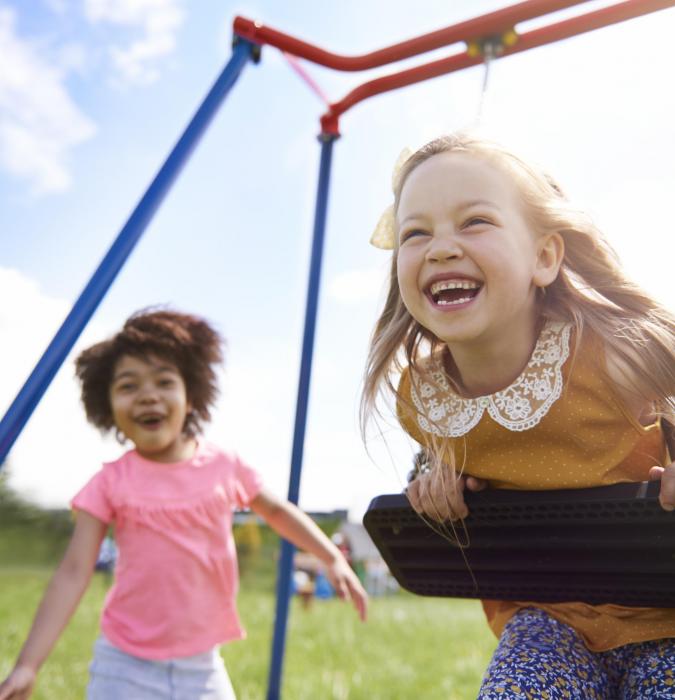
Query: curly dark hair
186 341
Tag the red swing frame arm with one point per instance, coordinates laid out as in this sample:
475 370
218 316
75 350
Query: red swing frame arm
495 26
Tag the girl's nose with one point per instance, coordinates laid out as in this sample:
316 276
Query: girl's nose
444 246
147 394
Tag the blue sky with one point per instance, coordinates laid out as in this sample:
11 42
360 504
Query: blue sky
94 93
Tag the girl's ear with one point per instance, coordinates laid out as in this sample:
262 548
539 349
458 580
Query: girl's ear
550 253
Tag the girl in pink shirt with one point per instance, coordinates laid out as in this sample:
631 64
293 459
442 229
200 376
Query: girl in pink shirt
171 501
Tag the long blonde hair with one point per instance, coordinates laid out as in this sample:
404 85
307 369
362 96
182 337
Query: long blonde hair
591 290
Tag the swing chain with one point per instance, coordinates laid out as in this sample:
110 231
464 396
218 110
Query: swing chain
489 48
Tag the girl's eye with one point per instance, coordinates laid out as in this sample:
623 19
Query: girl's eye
126 387
166 382
475 221
413 233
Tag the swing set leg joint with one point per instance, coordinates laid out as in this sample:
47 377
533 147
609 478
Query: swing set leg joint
256 49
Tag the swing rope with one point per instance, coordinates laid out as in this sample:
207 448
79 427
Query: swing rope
489 53
489 48
295 64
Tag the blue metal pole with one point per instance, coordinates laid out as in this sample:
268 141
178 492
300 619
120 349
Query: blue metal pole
30 394
286 559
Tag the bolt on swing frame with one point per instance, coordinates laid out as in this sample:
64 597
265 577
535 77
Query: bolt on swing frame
496 27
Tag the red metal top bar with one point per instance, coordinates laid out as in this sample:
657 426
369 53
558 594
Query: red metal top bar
494 23
537 37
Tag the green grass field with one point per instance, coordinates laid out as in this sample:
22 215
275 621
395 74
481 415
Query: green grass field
411 647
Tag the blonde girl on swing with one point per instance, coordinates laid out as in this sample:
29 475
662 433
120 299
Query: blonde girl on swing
527 360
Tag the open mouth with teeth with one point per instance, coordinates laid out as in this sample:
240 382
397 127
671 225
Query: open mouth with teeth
150 420
453 292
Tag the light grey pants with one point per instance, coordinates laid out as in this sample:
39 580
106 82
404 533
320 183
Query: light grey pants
116 675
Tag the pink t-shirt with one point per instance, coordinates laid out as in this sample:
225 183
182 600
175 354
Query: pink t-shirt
176 576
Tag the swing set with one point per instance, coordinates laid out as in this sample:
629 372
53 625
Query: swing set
485 38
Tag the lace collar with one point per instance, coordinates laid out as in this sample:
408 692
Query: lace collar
519 407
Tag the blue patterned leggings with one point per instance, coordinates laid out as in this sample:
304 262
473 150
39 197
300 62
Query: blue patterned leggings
539 657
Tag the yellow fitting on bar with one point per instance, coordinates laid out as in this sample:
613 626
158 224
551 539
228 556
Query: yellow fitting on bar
474 48
509 38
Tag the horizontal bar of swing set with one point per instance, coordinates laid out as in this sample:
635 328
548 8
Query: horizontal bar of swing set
491 26
476 28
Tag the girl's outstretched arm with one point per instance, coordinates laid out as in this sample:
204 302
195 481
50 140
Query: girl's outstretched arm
297 527
58 604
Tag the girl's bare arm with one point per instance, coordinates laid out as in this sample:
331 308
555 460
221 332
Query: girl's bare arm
297 527
58 604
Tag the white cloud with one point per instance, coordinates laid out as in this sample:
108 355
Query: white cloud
159 20
25 323
39 122
72 57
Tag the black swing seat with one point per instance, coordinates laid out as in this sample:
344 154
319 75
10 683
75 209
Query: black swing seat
610 544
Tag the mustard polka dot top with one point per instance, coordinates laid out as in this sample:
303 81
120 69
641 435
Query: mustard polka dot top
560 425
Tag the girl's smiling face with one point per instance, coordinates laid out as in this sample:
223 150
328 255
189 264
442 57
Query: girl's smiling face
149 404
468 262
